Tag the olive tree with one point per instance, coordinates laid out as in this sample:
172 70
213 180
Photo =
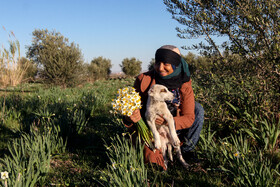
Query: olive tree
99 68
151 64
131 67
251 28
31 70
59 61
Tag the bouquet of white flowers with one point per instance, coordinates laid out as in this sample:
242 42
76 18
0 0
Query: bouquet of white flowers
128 100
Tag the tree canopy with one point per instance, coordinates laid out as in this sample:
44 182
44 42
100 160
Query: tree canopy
99 68
59 60
131 67
251 27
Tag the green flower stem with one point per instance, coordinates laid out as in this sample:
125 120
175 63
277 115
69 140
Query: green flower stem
144 133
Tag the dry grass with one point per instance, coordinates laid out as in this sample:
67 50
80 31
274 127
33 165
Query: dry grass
11 70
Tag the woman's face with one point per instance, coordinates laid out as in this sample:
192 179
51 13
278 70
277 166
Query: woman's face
163 69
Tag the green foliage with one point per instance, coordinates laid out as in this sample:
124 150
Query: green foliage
151 65
131 67
31 70
60 60
238 98
251 27
196 62
207 147
29 159
239 143
11 119
237 82
247 166
71 109
99 68
264 131
82 117
126 166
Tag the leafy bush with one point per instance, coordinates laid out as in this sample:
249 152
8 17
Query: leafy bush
151 64
99 68
31 70
249 27
60 60
131 67
238 82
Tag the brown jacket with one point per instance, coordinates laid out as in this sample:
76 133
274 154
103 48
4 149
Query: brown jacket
183 120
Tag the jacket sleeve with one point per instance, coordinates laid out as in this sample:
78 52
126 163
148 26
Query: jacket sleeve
187 115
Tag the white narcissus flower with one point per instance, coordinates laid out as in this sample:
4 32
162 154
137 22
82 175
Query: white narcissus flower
4 175
132 169
114 165
127 100
133 108
114 105
129 113
237 154
124 113
138 105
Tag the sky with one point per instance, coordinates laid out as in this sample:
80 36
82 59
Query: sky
113 29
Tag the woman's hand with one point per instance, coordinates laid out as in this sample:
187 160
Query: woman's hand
160 121
135 117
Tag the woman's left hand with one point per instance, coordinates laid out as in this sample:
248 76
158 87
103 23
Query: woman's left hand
160 121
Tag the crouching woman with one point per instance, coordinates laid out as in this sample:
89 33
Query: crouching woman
172 71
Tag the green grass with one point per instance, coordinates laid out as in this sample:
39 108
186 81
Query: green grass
239 131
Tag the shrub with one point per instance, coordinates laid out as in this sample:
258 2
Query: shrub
31 70
151 64
238 82
99 68
60 61
131 67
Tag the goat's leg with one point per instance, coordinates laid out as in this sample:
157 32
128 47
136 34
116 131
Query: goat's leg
164 149
153 128
181 159
169 149
172 130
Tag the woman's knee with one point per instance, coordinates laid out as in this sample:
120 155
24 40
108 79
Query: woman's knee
199 111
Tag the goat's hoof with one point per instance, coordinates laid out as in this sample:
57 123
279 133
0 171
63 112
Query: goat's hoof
186 166
176 143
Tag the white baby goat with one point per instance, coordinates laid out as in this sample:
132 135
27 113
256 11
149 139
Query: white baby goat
164 136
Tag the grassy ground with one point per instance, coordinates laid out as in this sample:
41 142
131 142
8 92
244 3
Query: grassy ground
87 125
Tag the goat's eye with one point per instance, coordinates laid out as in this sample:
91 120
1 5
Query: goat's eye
163 90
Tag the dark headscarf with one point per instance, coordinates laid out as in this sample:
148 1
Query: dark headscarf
181 73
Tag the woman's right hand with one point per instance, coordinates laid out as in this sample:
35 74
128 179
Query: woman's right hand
135 117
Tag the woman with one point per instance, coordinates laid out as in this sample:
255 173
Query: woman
172 71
